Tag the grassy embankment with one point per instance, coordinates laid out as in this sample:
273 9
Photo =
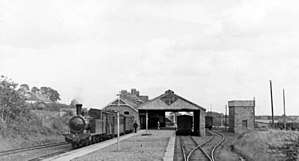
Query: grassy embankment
33 128
274 145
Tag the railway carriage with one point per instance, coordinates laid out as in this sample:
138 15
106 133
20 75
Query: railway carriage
121 125
129 121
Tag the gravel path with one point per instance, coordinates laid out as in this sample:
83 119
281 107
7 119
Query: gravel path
138 148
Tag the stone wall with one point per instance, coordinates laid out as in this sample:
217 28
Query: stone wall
243 114
231 121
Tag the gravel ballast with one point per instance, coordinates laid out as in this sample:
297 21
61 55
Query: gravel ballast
137 148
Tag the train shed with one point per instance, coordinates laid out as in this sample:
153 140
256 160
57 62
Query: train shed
154 110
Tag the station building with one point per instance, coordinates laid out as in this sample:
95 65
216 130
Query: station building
154 110
127 103
241 115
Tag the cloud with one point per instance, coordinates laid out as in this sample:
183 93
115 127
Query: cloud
207 51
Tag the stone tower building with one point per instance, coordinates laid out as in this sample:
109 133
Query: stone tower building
241 115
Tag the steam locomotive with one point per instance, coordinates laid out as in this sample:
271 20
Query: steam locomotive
95 126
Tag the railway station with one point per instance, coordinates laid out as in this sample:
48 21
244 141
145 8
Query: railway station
152 114
186 116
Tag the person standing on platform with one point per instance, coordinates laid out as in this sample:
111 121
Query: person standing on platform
135 126
158 124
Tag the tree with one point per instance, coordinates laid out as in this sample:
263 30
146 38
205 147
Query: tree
12 104
34 90
44 90
25 87
50 93
54 95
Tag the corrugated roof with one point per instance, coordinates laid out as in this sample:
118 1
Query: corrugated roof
170 101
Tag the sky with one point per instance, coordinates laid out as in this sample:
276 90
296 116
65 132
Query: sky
206 51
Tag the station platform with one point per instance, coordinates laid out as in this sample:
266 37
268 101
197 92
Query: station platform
144 145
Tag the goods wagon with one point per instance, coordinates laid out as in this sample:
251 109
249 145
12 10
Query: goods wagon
209 122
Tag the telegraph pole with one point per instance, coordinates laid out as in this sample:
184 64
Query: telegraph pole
272 124
284 110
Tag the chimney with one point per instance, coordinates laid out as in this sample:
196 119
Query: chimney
79 109
123 92
144 98
133 91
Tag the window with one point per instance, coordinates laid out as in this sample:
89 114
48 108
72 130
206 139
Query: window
126 112
244 123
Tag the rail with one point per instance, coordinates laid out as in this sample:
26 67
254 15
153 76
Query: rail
217 145
208 155
19 150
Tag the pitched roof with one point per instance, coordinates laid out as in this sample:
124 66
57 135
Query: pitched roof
132 99
122 102
170 101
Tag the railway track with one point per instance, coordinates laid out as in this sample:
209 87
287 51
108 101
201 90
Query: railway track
42 157
191 150
19 150
220 139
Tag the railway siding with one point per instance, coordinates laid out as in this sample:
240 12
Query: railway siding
198 148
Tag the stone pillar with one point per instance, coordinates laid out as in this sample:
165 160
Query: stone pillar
202 123
175 120
146 120
196 122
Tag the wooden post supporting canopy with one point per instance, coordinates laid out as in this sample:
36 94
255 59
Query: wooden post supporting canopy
117 131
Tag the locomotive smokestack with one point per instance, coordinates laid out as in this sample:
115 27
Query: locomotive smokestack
78 109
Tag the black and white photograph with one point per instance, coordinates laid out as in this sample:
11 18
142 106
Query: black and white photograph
149 80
